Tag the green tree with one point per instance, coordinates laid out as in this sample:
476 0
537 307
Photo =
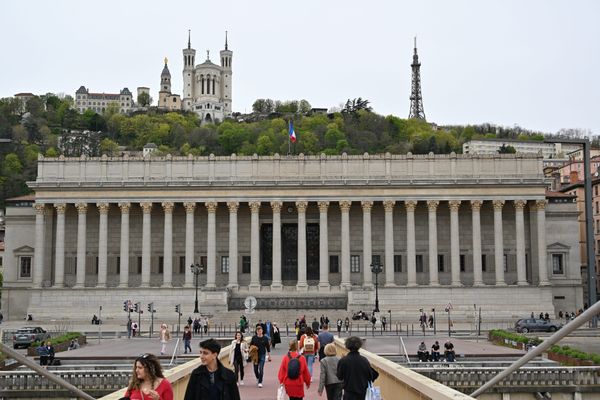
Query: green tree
506 149
12 165
144 99
109 147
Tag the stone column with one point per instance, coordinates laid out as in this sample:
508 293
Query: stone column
301 207
323 246
520 239
411 255
124 250
454 242
103 244
476 226
168 244
233 244
59 256
345 209
38 252
190 207
542 249
276 283
388 206
254 246
498 243
367 245
211 245
81 244
432 206
146 242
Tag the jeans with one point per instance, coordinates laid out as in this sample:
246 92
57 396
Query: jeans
310 359
259 368
187 346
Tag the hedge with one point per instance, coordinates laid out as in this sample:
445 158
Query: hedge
568 351
67 337
514 337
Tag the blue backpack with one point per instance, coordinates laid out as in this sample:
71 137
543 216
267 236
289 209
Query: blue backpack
293 369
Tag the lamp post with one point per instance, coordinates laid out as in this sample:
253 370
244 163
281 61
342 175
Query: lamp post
197 269
434 321
376 268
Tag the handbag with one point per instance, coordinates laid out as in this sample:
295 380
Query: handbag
281 395
373 392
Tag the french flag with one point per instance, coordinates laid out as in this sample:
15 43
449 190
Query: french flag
292 132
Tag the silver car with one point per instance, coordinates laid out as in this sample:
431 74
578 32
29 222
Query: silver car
29 334
526 325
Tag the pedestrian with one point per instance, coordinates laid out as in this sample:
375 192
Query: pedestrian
147 380
355 371
309 347
211 380
1 317
187 339
328 379
347 324
189 321
50 352
315 326
129 323
165 336
238 356
293 372
430 321
205 325
422 352
242 324
268 330
261 342
325 337
383 322
339 324
43 353
276 336
435 351
449 351
196 325
134 328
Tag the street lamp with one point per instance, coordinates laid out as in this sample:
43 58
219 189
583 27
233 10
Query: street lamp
376 268
197 269
434 321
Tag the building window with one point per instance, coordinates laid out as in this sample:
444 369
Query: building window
334 264
506 263
397 263
355 263
182 264
245 264
558 264
419 262
1 261
118 265
25 267
463 262
483 263
97 265
440 262
225 264
139 265
595 190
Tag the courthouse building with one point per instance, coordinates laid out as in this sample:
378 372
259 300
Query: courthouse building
295 232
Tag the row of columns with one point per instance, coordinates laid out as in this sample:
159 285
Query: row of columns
301 207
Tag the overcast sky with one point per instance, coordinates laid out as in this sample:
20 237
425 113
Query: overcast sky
531 63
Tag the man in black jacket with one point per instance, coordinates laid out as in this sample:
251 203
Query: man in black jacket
211 380
355 371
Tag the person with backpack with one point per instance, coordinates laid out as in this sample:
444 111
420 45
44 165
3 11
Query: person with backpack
293 373
309 347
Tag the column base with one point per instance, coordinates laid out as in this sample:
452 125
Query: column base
412 285
523 283
324 287
501 284
545 283
345 285
233 286
210 285
78 286
479 284
302 287
368 285
456 284
59 285
276 287
390 285
188 285
254 287
121 285
434 284
167 285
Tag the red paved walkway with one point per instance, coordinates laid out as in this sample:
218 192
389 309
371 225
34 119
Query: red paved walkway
250 390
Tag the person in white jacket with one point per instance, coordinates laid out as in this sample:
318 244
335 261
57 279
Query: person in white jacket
165 336
238 356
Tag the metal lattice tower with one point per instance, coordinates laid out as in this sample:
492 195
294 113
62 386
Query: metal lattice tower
416 100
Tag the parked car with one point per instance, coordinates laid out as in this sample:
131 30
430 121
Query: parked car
536 325
29 334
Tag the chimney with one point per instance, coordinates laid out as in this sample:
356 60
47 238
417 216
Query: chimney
573 177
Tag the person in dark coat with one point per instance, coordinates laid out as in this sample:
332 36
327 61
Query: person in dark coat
355 371
276 336
211 380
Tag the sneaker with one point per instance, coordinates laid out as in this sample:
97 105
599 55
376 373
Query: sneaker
260 385
241 383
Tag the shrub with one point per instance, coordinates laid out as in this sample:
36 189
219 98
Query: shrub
67 337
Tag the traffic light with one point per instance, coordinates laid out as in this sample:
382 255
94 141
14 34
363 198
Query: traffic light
125 308
178 308
150 307
136 307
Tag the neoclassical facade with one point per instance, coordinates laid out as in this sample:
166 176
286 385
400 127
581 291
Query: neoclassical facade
447 229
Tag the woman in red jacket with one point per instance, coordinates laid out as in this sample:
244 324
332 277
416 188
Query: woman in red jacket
294 387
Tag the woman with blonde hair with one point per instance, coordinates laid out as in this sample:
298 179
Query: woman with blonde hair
147 380
165 336
328 379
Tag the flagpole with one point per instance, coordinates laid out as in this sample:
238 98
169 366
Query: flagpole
289 138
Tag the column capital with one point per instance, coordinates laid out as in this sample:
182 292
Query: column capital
211 206
146 207
301 206
81 208
498 204
323 206
476 205
366 205
388 205
432 205
125 207
60 208
254 206
233 206
410 205
103 207
168 206
276 206
454 205
345 205
190 206
540 205
39 208
520 205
